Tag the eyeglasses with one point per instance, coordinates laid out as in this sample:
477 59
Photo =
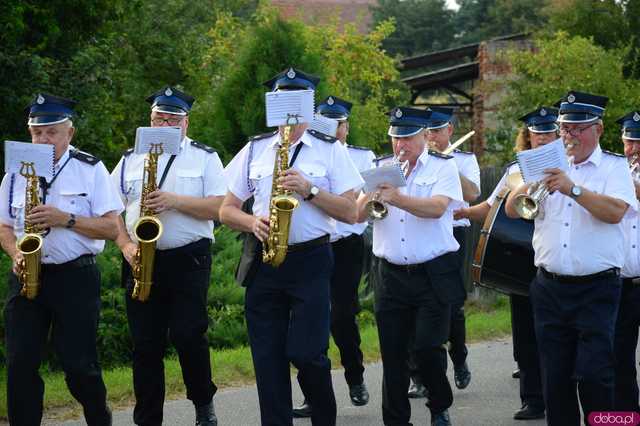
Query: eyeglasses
435 131
575 132
170 121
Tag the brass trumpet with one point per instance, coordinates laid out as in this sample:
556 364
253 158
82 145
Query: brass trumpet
376 209
529 205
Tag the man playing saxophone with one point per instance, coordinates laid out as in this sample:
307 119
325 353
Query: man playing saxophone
628 321
185 198
287 307
80 207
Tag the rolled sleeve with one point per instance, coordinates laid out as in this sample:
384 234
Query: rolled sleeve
236 174
620 185
344 174
214 177
105 193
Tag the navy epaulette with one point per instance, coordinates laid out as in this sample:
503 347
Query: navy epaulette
364 148
203 147
128 152
440 155
614 153
321 136
462 152
379 159
84 157
262 136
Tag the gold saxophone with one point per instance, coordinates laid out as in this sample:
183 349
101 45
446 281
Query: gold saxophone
281 208
30 244
147 229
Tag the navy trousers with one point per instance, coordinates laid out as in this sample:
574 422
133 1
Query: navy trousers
575 324
287 311
626 340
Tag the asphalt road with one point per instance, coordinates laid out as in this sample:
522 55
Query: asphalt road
491 398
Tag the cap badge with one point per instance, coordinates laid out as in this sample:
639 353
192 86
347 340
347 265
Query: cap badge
398 113
543 112
330 101
291 74
571 98
636 117
40 100
168 92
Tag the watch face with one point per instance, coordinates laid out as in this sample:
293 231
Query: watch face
576 191
315 190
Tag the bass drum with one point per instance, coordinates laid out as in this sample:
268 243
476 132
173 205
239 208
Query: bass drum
504 257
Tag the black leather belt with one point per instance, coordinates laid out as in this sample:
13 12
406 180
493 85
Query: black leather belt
308 244
80 262
580 279
411 269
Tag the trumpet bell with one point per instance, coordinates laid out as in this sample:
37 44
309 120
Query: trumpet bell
527 207
376 210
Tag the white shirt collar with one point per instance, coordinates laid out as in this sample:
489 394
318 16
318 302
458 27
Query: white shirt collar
304 139
595 158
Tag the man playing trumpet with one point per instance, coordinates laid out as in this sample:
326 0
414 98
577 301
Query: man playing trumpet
576 292
416 274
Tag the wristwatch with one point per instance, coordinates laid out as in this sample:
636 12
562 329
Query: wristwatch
576 191
72 221
312 193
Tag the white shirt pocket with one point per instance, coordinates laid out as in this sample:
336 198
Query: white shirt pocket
316 173
424 185
133 184
75 199
261 176
189 182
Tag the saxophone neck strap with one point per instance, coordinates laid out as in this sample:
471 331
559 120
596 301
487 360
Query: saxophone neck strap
166 171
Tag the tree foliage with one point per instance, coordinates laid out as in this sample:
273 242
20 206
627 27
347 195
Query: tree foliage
565 63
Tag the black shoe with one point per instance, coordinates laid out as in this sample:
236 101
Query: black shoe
462 376
516 373
529 412
417 390
441 419
302 411
359 394
206 415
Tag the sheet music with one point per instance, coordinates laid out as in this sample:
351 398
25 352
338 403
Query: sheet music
389 173
533 162
325 125
281 105
41 155
169 137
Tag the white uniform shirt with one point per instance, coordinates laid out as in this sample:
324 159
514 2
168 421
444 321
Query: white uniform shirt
363 160
512 168
80 188
568 240
325 164
469 168
404 239
194 172
631 224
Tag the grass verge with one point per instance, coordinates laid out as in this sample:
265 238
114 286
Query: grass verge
233 367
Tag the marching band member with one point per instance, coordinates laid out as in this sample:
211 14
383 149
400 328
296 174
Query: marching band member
347 244
439 134
416 283
576 293
190 191
626 339
80 207
288 307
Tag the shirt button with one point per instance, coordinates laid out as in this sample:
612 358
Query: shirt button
310 173
564 245
566 224
569 204
402 239
73 202
402 220
634 227
405 258
259 176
